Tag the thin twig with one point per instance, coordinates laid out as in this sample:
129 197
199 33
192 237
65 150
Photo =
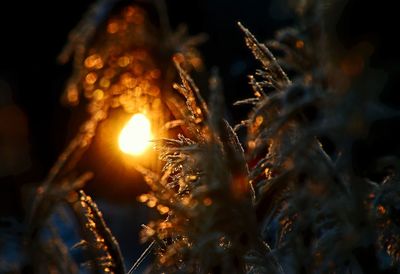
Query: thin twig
143 256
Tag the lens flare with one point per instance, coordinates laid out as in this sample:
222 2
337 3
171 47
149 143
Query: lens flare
135 137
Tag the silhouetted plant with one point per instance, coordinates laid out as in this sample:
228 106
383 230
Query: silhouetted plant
281 203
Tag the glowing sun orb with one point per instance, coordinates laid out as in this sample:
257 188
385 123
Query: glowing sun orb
135 137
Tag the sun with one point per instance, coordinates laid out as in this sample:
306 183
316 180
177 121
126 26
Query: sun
135 137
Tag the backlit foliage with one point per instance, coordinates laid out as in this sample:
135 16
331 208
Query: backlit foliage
276 202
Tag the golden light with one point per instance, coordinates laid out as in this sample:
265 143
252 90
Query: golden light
135 137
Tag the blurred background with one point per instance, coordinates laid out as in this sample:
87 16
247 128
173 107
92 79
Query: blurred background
35 127
31 80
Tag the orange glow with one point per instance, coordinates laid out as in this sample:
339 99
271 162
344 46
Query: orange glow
112 27
299 44
207 201
91 78
98 94
94 61
135 137
123 61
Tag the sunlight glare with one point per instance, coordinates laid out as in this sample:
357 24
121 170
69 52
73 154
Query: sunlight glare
135 137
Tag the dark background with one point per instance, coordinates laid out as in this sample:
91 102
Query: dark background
32 33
